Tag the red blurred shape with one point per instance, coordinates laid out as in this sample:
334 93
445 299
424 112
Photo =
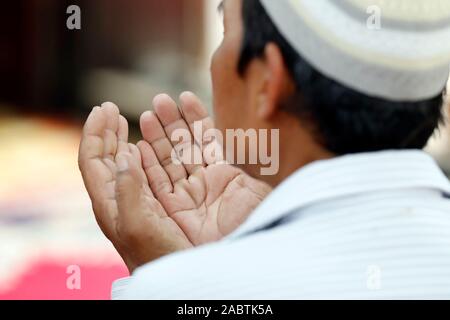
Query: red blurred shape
47 280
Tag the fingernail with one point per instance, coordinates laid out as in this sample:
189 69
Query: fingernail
186 94
122 163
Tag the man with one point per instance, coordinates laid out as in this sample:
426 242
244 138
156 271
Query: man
439 145
358 210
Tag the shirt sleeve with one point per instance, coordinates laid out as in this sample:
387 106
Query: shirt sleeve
118 288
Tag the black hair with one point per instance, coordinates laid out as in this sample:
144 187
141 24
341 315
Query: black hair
342 120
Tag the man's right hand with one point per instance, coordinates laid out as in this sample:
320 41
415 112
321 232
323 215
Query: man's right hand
209 200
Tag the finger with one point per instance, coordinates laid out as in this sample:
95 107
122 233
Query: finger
153 133
193 111
136 153
128 189
93 170
91 145
96 175
178 133
119 144
130 192
134 150
122 135
111 112
157 177
202 127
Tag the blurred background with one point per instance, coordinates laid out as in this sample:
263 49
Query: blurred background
51 77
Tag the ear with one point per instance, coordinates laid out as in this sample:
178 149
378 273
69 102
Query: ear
277 83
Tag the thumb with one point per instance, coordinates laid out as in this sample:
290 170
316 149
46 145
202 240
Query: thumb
129 191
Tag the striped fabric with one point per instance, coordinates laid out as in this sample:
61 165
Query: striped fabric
367 226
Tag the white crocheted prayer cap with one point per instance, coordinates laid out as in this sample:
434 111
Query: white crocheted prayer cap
392 49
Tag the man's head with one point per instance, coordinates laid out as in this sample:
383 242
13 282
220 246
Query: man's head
261 81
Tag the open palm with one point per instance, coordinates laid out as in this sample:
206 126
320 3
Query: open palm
208 200
146 204
103 147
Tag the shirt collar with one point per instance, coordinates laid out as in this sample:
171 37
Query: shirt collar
346 176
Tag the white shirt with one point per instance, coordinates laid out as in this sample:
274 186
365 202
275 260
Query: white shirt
363 226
